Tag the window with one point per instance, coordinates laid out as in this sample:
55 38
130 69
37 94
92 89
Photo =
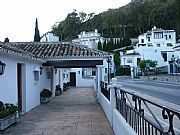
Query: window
169 44
129 60
148 38
166 37
158 45
150 45
36 76
105 70
158 35
142 40
169 36
64 75
138 60
93 73
164 55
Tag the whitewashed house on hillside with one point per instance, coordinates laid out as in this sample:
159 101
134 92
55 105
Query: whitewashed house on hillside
156 45
49 37
130 58
174 63
31 67
89 39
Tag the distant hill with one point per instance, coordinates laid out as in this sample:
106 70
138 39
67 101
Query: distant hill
131 20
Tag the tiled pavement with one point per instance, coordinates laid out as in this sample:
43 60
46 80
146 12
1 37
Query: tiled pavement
75 112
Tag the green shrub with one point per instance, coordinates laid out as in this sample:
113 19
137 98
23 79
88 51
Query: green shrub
7 109
45 93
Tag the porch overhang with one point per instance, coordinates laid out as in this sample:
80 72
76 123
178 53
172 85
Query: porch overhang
74 63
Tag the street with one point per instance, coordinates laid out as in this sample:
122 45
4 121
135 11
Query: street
165 91
165 94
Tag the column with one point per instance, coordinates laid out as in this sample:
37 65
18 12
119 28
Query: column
61 78
99 78
113 97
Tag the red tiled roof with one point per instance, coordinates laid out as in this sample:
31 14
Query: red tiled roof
52 50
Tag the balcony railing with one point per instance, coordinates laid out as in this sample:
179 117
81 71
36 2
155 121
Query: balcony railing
134 110
104 90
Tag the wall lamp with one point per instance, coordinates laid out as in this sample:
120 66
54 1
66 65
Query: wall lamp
2 67
41 70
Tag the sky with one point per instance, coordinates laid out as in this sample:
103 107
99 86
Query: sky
17 17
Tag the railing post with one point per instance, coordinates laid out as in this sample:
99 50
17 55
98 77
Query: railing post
99 78
112 97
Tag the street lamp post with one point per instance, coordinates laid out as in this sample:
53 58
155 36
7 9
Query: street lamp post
109 58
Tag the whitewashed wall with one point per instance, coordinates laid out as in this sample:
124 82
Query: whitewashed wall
30 89
33 89
82 82
8 83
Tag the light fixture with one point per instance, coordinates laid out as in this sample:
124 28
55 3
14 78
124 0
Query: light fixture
109 59
41 70
2 67
55 70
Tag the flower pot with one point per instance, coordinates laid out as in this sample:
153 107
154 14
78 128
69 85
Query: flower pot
7 121
44 100
57 93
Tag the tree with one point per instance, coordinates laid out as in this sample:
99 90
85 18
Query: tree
99 45
126 41
105 45
83 16
116 58
146 64
36 35
6 40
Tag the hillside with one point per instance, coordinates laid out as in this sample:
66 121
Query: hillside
131 20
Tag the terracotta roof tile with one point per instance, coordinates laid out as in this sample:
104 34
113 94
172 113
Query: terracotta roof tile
52 50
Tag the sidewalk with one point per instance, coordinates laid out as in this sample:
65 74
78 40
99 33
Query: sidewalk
76 112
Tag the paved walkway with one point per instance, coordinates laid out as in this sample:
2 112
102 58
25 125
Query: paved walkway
76 112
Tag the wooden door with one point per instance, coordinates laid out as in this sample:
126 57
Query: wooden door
19 84
73 79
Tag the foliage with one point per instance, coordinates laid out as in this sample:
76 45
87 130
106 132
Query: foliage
6 40
123 71
99 46
143 64
116 58
131 20
45 93
58 89
36 34
66 86
7 109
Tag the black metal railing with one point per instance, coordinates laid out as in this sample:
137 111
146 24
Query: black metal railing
133 107
105 90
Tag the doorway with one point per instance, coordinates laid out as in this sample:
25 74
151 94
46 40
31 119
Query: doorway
72 78
19 84
21 87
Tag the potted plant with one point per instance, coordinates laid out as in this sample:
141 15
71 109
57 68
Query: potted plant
45 95
8 114
65 86
58 90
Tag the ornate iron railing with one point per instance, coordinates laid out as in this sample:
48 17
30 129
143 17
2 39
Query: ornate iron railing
134 109
105 90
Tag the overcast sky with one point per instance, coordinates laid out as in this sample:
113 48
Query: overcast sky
17 17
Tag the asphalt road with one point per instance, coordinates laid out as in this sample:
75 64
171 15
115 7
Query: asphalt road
165 91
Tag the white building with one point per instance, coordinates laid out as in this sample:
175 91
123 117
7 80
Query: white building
89 39
174 63
131 59
31 67
49 37
156 45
